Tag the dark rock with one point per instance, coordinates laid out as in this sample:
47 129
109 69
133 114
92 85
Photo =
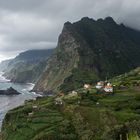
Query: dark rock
9 91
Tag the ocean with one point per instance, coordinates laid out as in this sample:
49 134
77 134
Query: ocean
9 102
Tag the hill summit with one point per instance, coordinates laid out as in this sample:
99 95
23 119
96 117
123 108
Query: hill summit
90 50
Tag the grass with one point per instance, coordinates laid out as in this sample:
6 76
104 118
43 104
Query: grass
73 121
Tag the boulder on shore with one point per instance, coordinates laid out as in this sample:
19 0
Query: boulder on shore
9 91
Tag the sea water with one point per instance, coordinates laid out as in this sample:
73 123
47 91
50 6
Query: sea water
8 102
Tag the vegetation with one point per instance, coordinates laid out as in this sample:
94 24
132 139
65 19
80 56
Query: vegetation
87 51
85 116
77 79
107 51
90 50
130 79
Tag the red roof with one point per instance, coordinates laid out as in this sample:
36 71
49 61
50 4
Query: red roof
108 87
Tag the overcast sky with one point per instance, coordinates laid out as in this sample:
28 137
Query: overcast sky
36 24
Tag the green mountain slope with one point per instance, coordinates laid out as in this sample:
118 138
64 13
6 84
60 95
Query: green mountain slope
86 116
28 66
90 50
130 79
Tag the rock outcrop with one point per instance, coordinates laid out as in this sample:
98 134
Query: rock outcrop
9 91
60 65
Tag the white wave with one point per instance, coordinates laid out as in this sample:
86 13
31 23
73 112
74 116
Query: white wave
30 86
2 78
24 89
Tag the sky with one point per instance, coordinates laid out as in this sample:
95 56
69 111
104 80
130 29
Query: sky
36 24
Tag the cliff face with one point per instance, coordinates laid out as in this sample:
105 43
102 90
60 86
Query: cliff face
4 64
27 66
90 50
60 65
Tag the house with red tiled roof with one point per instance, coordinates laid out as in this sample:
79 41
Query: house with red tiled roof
108 88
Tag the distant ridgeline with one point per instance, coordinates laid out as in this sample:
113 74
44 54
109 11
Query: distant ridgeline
88 51
27 66
4 64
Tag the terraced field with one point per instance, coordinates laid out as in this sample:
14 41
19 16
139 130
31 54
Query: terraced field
93 117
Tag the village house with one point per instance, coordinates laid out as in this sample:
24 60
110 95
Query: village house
97 103
100 85
108 88
58 101
87 86
35 107
73 93
30 114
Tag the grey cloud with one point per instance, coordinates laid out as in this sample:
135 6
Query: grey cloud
31 24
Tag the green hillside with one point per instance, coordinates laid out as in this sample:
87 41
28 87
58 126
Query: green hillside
130 79
86 116
89 50
27 66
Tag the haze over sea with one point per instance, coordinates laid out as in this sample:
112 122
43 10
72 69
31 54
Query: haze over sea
10 102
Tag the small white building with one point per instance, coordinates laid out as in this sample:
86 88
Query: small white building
109 84
97 103
86 86
100 85
30 114
73 93
35 107
58 101
108 88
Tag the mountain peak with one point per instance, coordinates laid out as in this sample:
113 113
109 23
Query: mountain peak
87 19
110 20
67 23
89 51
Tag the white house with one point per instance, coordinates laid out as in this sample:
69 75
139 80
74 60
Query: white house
109 84
73 93
86 86
58 101
97 103
100 85
35 107
108 88
30 114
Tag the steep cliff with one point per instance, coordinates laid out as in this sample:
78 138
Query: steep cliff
28 65
60 65
4 64
90 50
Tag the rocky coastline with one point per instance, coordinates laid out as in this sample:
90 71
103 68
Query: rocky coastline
9 91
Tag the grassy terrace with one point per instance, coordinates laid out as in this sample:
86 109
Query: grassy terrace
86 117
